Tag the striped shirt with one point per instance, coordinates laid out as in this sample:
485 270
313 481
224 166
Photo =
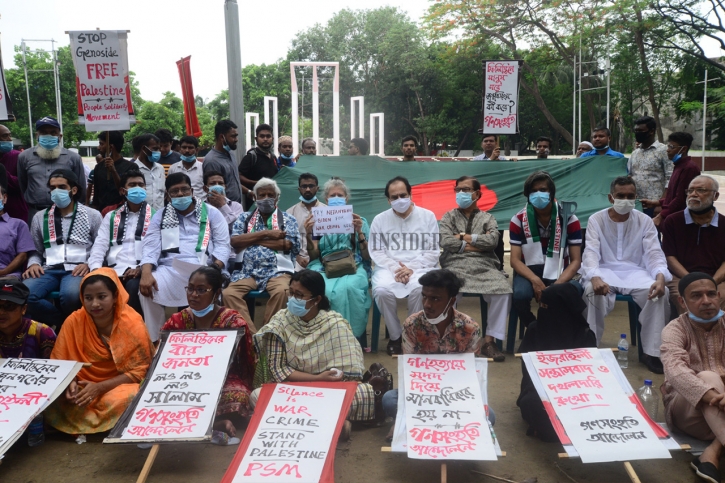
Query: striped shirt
573 234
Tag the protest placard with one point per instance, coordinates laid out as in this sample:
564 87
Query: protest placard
293 433
331 220
178 399
100 58
590 407
501 97
27 387
6 106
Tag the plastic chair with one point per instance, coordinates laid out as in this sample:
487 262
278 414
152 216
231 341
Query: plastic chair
251 297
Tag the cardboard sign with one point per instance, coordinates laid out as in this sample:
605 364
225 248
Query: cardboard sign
27 387
100 58
6 106
444 408
599 419
501 97
293 433
179 399
331 220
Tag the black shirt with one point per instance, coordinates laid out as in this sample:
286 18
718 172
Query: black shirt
262 167
105 191
172 158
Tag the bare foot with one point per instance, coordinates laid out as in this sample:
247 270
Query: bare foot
226 426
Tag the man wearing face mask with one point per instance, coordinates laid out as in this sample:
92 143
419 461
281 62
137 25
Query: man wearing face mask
623 255
693 357
469 238
404 244
120 238
63 235
166 141
190 166
267 241
693 239
35 165
148 162
649 164
215 190
286 150
15 206
307 186
601 137
260 161
221 160
543 147
685 170
535 237
188 230
108 172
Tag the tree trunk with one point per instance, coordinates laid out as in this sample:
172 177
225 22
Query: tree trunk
463 139
639 40
533 89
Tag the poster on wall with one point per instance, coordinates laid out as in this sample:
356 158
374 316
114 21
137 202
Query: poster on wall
501 96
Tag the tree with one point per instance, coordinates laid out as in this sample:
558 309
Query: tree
167 113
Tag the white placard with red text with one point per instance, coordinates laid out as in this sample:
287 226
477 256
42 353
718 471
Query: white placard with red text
599 419
444 409
331 220
501 97
181 396
293 437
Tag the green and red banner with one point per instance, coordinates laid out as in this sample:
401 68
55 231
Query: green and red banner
584 180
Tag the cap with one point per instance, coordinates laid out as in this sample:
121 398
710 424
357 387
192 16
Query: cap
13 290
46 121
647 382
64 173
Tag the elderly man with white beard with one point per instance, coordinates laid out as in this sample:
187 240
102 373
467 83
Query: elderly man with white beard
693 238
36 164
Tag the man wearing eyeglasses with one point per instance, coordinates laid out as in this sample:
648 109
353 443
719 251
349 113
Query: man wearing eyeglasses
188 230
307 186
685 170
693 238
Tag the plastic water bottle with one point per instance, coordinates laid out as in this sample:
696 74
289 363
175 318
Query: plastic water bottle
649 398
622 355
36 435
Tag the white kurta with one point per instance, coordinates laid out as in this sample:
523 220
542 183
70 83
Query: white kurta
126 258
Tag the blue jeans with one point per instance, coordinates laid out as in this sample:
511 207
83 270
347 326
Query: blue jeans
524 292
390 406
45 311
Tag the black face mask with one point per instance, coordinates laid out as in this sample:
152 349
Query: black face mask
641 137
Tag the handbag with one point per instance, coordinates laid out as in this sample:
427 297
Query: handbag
340 263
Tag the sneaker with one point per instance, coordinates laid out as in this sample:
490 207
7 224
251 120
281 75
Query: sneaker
654 364
395 346
706 471
491 351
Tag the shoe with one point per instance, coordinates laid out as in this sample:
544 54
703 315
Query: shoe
654 364
491 351
395 346
706 471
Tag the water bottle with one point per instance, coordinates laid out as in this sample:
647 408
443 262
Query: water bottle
649 398
36 435
623 347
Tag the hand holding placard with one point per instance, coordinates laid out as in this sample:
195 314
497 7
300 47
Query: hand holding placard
331 220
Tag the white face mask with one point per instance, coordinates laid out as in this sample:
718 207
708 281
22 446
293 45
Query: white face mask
440 318
401 205
623 207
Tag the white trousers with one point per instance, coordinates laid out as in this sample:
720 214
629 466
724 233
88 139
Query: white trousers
154 315
499 306
386 292
654 315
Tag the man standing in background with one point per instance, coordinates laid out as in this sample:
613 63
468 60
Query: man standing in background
649 165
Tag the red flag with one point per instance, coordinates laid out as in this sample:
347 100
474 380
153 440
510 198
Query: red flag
187 92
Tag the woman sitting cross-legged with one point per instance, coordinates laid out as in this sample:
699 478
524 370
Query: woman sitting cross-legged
107 333
205 312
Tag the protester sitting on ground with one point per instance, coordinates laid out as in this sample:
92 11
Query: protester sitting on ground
190 166
17 244
260 161
187 230
358 147
685 170
693 238
307 186
469 237
348 293
205 311
267 242
219 159
147 147
649 164
21 337
438 329
166 140
108 172
693 357
286 150
559 325
309 342
533 259
216 195
404 246
15 205
543 147
601 137
623 256
63 235
409 146
584 147
111 337
119 243
491 150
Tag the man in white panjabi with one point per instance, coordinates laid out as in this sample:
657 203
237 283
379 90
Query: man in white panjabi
623 255
188 230
404 244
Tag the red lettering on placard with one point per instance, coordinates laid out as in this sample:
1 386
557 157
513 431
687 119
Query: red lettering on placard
271 469
291 410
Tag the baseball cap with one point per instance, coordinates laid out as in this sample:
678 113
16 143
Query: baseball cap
13 290
46 121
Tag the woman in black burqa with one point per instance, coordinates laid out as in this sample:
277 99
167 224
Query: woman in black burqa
560 324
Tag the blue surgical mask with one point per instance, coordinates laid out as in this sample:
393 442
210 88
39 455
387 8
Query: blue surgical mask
2 205
136 195
203 312
336 201
181 203
297 307
154 156
539 199
700 320
169 153
226 146
287 161
305 200
48 141
677 157
217 188
188 159
61 198
464 200
6 146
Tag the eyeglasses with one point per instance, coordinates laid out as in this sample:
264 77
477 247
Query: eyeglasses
180 192
7 306
197 291
464 190
298 295
308 186
699 191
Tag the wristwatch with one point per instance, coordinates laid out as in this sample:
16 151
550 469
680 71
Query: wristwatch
363 240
